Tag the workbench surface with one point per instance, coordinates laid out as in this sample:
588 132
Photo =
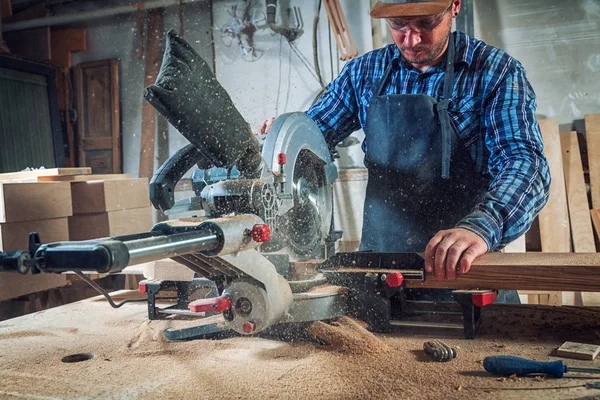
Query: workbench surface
133 360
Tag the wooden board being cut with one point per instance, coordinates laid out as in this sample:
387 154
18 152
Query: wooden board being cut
527 271
34 175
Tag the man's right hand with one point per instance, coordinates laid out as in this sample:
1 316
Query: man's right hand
265 127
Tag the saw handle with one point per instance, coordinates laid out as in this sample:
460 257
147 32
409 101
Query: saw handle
162 185
512 365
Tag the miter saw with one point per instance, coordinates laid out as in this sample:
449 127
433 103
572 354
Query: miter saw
260 202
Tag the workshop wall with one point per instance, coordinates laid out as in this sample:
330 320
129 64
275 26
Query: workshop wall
278 82
118 38
558 42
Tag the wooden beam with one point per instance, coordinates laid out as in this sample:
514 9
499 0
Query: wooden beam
592 134
527 271
65 41
153 61
32 44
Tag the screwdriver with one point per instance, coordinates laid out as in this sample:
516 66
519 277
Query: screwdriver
512 365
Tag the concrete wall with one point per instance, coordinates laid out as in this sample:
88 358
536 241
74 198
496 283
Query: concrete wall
558 42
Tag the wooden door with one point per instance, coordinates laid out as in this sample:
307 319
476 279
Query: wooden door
99 137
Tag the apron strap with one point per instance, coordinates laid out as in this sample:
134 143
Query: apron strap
442 108
379 88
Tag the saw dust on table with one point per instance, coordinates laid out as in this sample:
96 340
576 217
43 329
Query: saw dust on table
132 359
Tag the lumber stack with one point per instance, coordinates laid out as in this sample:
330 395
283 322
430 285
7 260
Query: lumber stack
65 204
565 224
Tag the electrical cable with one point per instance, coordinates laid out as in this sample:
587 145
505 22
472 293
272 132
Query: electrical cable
305 61
316 44
104 293
279 83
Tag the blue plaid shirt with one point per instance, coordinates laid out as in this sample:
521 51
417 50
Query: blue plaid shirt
493 109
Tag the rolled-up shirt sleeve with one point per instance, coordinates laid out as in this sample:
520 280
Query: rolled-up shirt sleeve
520 177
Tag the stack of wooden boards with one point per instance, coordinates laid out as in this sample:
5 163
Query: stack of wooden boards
66 204
565 224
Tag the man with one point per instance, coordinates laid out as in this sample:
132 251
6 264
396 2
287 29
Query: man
453 148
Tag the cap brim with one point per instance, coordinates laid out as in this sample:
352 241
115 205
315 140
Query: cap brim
387 10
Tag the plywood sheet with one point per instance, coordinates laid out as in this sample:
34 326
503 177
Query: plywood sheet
112 223
15 236
34 176
109 195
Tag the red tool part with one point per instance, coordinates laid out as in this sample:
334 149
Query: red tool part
248 327
483 299
261 233
394 279
214 304
143 288
281 159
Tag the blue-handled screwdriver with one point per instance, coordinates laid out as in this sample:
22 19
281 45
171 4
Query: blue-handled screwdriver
512 365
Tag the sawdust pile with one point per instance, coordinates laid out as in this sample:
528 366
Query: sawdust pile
349 336
132 359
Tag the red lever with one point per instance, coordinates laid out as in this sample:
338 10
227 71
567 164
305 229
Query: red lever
214 304
143 288
394 279
483 299
261 233
281 158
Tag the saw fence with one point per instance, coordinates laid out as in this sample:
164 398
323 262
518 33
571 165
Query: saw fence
570 222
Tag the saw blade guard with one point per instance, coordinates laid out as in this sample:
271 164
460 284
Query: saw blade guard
306 207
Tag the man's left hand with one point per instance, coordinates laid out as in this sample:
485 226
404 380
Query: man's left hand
452 251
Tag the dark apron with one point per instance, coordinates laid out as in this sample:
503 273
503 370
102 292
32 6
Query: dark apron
421 177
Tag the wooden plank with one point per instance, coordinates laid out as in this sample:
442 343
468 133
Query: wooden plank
595 214
526 271
112 223
554 218
153 60
592 134
581 223
580 351
33 201
15 236
65 41
34 176
32 44
555 232
83 178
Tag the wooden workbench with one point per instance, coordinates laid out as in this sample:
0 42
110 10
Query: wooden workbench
133 360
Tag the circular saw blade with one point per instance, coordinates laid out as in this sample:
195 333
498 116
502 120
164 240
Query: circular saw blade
305 213
307 223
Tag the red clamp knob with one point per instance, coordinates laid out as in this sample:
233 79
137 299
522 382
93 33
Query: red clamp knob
248 327
261 233
214 304
394 279
281 159
143 288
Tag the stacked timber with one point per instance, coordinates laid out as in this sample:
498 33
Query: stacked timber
565 224
27 205
110 207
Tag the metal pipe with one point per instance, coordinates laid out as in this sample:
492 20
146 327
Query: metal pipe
91 14
152 249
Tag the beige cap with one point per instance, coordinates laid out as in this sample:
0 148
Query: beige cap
409 8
